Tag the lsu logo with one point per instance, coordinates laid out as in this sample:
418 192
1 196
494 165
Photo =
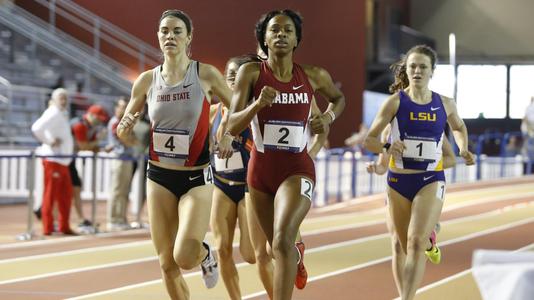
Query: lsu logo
393 179
423 116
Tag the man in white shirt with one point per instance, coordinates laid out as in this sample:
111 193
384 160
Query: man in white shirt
52 129
527 127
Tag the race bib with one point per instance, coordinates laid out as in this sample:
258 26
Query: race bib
421 150
283 135
208 175
306 188
229 165
171 143
440 193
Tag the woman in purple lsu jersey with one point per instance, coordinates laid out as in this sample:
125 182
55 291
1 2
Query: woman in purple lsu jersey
281 174
179 178
416 182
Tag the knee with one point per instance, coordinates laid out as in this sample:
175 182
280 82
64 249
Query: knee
262 257
225 251
167 263
184 255
282 245
248 255
397 246
417 243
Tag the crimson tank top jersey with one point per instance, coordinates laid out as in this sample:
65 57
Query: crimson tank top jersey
280 132
179 117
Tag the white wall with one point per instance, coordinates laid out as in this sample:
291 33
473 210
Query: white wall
494 28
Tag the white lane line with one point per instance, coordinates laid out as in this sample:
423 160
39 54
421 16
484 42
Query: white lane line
384 259
460 274
67 239
75 252
141 243
138 285
84 269
370 198
102 293
486 200
446 208
353 202
37 293
327 247
39 243
452 221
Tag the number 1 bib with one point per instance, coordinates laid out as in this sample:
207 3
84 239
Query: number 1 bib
283 135
229 165
420 149
171 142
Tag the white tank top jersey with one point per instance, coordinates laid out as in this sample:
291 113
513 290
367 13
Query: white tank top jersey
179 117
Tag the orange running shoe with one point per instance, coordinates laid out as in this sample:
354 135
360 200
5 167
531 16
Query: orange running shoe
302 276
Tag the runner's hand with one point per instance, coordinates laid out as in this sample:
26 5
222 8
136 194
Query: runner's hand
267 96
397 148
319 124
224 147
468 157
126 125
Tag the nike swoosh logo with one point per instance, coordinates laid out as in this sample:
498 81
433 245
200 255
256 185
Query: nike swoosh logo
427 178
297 87
193 178
187 85
434 108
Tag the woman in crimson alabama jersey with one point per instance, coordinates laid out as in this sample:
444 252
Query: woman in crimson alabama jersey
275 95
179 178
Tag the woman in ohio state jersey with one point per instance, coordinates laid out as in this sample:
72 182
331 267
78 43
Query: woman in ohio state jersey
416 181
275 95
178 186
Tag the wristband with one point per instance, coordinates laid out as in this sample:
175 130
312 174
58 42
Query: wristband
332 115
386 147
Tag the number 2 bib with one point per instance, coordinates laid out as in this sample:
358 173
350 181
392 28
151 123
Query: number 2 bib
420 149
171 142
283 135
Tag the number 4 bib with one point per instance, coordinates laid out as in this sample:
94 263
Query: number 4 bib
283 135
171 142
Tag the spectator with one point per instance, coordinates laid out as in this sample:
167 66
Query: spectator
527 128
121 170
141 131
356 139
79 102
86 137
513 147
52 130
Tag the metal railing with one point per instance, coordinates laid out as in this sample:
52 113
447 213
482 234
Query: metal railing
77 53
6 98
94 170
102 30
340 175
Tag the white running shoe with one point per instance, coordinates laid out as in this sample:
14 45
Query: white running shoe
210 269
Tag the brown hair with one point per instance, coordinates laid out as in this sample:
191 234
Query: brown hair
180 15
241 60
399 68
